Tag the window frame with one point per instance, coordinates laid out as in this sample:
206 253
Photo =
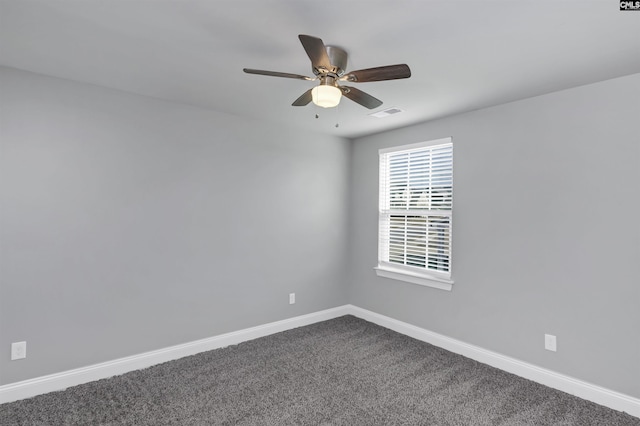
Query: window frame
412 274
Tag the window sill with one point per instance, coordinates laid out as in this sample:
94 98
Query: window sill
419 279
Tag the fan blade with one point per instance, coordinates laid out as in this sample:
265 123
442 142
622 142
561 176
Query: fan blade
360 97
277 74
389 72
316 51
303 100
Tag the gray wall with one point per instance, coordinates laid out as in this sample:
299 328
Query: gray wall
546 232
131 224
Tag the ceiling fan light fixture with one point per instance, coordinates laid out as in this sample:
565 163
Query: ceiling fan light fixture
328 64
326 96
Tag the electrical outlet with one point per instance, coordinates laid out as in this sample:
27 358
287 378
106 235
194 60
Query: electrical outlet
550 342
292 298
18 350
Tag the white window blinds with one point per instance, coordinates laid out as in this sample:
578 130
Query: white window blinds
416 194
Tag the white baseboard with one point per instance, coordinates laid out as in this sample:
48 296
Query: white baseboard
590 392
65 379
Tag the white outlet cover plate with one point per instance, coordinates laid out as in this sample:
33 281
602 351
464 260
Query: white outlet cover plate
18 350
550 342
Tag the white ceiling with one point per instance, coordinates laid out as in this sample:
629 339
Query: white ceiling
464 55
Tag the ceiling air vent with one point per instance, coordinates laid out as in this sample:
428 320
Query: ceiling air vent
386 112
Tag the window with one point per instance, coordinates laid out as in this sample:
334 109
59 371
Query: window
416 196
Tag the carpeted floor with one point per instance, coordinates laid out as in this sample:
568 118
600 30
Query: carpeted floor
344 371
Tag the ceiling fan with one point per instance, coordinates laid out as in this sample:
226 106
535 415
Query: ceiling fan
328 64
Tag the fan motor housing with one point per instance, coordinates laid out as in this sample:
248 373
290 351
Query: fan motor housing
338 58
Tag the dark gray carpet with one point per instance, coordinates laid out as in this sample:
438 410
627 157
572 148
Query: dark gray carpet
345 371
